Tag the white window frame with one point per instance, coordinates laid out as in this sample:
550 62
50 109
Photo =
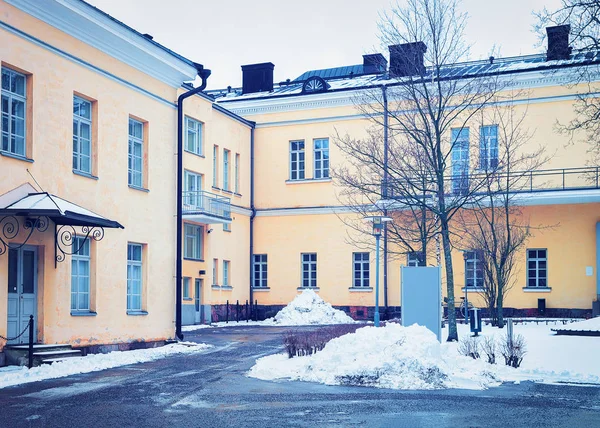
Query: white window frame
237 173
309 266
186 287
297 160
78 141
488 147
194 128
460 160
192 184
260 277
227 227
540 281
321 158
361 270
215 168
8 137
196 235
474 273
81 256
136 141
131 265
226 156
215 272
226 273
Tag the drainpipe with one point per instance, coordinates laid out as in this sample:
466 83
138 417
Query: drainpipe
204 74
385 193
253 214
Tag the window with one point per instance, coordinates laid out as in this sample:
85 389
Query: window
321 158
413 259
260 271
13 112
136 153
488 147
193 242
82 135
361 269
474 269
460 160
186 287
226 154
193 142
227 227
215 165
192 183
226 272
296 160
309 270
215 273
80 275
537 271
237 173
134 277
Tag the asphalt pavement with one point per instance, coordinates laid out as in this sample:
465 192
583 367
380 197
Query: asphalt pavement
211 390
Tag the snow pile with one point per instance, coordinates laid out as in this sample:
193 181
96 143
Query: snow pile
308 308
592 324
388 357
95 362
195 327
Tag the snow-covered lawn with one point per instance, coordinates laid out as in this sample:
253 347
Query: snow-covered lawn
411 358
592 324
13 375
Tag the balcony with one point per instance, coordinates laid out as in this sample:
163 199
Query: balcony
206 207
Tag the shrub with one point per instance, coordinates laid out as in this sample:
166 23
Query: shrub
469 347
513 350
489 349
298 342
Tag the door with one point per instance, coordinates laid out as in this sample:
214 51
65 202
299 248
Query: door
22 291
197 301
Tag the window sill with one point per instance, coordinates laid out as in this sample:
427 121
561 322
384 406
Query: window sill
226 230
187 299
215 287
239 195
473 290
227 191
308 288
226 287
195 154
85 174
216 188
83 314
361 289
308 180
14 156
193 260
537 289
260 288
137 313
141 189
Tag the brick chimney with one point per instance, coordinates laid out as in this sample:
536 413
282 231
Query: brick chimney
257 77
407 59
374 63
558 43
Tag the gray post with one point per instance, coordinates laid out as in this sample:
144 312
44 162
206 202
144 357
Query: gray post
509 330
376 315
30 362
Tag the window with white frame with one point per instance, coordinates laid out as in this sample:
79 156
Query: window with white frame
537 270
134 277
215 168
474 269
193 137
192 183
297 160
227 227
237 173
260 271
136 153
80 275
186 287
413 259
309 269
226 155
82 135
488 147
13 102
460 160
215 272
226 273
193 242
360 262
321 156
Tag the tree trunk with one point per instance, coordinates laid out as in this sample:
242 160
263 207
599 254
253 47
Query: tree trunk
499 305
452 331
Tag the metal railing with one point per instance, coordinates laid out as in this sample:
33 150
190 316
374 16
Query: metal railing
202 202
542 180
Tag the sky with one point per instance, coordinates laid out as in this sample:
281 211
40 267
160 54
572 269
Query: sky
223 35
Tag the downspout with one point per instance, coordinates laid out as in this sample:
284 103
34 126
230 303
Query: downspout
204 74
252 215
385 194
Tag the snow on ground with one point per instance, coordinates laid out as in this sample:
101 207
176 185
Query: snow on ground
195 327
592 324
411 358
13 375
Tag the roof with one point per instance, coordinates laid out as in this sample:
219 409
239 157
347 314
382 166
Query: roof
333 73
499 66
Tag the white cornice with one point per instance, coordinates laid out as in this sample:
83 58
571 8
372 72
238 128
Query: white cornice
277 212
82 22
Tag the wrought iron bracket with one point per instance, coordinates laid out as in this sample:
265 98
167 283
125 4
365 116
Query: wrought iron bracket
66 236
10 228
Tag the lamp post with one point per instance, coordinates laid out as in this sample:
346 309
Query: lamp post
466 257
378 222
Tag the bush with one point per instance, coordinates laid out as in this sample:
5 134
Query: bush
513 350
489 349
298 342
469 347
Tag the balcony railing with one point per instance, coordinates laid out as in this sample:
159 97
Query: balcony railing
543 180
202 203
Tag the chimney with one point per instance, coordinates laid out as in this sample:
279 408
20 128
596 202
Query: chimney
558 43
407 59
257 77
374 64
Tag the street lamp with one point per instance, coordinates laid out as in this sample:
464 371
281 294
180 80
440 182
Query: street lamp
466 303
378 222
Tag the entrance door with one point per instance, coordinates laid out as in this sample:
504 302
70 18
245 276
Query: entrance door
198 303
22 291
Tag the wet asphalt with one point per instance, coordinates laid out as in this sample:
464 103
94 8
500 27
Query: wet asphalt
210 389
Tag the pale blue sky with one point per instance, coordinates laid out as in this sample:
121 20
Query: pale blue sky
305 35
